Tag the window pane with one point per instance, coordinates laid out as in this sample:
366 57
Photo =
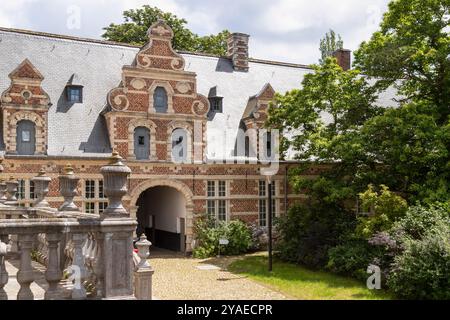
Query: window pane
100 189
89 207
222 189
211 209
32 194
179 145
102 206
222 215
262 188
21 189
262 212
160 99
211 188
90 189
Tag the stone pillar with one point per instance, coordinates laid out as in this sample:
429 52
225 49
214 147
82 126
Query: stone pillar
115 176
53 274
143 271
3 273
11 188
68 183
25 274
41 182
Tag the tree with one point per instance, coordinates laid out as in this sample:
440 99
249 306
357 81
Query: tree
137 22
412 52
329 44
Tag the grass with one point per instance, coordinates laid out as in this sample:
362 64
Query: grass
297 282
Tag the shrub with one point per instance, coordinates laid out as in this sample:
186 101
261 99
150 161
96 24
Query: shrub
209 232
384 209
422 270
351 258
307 232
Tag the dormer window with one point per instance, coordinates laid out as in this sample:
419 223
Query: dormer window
74 94
216 104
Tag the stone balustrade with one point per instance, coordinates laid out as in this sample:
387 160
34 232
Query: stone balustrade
96 251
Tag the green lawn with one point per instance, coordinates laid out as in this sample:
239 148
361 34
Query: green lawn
297 282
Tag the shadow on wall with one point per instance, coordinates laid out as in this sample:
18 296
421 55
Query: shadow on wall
63 105
98 141
224 65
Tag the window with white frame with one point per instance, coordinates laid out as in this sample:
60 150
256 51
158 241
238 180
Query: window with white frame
25 192
263 206
94 195
217 204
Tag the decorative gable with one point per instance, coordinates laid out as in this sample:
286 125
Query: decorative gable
255 114
156 88
25 100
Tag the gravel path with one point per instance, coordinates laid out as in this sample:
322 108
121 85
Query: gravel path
177 277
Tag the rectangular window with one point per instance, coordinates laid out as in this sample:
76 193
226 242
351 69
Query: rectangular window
216 104
21 189
222 212
216 205
89 189
89 207
101 194
211 209
262 213
211 188
263 202
74 94
32 194
102 206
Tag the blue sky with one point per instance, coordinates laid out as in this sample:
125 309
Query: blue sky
284 30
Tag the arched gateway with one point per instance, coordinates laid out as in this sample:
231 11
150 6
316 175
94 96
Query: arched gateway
164 211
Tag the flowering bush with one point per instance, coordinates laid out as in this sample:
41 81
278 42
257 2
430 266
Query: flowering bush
209 232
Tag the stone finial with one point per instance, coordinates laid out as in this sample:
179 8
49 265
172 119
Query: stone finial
160 29
11 189
68 183
143 247
41 183
115 176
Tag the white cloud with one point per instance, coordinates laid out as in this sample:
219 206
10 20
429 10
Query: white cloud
287 30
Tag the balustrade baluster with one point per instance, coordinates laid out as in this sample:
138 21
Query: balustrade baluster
25 274
53 274
3 272
78 266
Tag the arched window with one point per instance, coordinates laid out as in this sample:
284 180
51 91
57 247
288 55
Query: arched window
26 137
141 143
179 145
160 100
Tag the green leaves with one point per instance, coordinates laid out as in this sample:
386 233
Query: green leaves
138 21
412 52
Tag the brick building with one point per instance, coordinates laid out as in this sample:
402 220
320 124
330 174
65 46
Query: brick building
181 120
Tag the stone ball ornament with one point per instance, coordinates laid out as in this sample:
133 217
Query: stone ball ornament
115 177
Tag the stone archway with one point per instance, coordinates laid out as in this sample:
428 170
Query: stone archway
181 188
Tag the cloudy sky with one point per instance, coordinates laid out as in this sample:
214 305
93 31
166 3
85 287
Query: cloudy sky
284 30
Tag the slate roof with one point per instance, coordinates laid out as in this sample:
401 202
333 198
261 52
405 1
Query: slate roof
79 130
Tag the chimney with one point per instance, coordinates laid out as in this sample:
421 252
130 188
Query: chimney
343 57
238 51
